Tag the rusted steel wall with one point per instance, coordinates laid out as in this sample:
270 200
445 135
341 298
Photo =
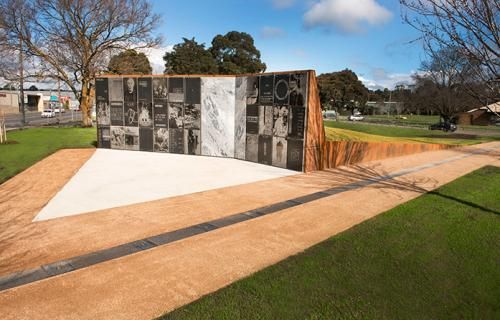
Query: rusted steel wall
341 153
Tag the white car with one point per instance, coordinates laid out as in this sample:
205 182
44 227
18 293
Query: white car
48 113
355 117
59 110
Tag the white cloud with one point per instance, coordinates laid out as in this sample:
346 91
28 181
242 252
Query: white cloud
283 4
272 32
155 56
346 15
381 79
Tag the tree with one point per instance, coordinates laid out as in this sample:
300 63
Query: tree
235 53
71 40
342 90
468 26
190 57
443 80
130 62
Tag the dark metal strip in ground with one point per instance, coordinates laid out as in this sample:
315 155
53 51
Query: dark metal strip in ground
64 266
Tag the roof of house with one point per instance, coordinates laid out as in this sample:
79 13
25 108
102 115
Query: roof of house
495 107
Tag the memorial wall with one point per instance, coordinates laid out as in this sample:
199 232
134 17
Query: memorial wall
260 118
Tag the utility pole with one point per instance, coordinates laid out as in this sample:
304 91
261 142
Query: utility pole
21 81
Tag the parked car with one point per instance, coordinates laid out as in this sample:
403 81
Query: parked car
48 113
445 126
59 110
329 115
355 117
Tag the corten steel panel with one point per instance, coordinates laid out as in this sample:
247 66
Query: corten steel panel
341 153
315 132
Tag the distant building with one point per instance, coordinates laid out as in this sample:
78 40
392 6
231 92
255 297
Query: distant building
384 107
33 100
482 116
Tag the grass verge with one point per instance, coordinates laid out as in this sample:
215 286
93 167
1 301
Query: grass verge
338 130
435 257
32 145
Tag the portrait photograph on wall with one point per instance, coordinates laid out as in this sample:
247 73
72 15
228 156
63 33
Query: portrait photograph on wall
175 115
252 94
161 136
160 89
280 121
103 113
298 89
192 141
130 102
176 89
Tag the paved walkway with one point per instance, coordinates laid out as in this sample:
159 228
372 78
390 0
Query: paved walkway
150 282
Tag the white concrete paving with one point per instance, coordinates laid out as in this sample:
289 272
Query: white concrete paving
113 178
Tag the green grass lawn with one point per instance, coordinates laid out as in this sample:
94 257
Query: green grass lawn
37 143
411 120
406 134
435 257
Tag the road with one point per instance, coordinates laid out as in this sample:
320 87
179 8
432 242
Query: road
34 119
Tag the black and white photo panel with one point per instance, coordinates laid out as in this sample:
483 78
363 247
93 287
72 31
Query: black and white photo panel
103 113
160 89
281 89
104 135
115 89
298 89
266 120
130 102
266 90
252 90
175 115
160 114
192 116
252 119
279 152
116 111
192 141
280 121
252 148
161 137
265 149
146 139
297 118
193 90
145 117
145 91
176 140
176 89
295 154
126 138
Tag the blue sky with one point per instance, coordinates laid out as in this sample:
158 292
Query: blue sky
367 36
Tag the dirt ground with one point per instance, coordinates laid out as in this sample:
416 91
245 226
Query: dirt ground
149 283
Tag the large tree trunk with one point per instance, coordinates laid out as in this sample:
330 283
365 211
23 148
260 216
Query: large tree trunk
86 103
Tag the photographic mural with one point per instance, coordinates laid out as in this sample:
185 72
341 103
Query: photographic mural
260 118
